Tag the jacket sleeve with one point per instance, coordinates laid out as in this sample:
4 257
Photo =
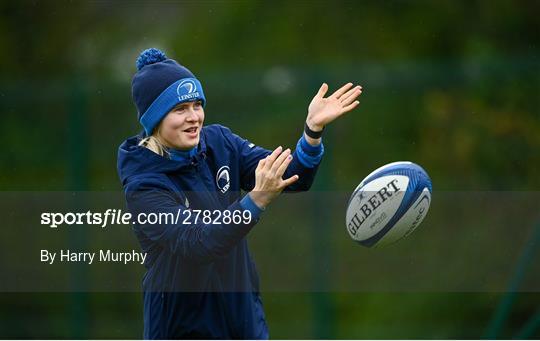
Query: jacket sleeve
302 164
191 239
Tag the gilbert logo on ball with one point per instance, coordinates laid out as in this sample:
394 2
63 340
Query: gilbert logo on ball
389 204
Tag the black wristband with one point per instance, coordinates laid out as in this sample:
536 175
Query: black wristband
311 133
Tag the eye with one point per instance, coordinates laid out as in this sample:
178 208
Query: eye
179 109
197 104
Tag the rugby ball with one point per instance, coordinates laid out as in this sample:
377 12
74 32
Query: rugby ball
388 204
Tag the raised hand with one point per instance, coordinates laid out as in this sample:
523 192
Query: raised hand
322 111
268 177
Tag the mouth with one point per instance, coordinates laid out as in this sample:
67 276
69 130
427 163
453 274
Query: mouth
191 131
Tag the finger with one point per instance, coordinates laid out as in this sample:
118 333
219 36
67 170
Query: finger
350 107
322 91
350 96
272 157
261 163
289 181
283 167
342 90
279 161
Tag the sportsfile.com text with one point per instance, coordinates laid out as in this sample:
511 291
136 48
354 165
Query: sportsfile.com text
118 217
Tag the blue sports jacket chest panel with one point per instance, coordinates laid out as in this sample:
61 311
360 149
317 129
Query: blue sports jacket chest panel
200 182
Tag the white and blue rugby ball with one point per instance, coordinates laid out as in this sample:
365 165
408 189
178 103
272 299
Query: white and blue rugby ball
389 204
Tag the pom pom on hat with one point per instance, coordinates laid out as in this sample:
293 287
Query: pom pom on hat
150 56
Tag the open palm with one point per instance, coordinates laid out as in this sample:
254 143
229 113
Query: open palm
322 111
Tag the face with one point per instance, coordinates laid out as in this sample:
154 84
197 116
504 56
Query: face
181 127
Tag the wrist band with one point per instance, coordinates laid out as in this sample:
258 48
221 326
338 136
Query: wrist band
311 133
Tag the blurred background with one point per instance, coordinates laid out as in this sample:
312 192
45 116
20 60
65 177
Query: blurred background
451 85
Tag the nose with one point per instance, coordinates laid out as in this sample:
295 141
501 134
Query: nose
192 115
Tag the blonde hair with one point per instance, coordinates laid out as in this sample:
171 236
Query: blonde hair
153 143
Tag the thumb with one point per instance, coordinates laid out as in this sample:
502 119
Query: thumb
289 181
322 90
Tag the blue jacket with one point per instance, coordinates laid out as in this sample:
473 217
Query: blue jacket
201 281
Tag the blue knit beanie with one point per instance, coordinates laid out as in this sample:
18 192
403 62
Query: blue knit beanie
159 85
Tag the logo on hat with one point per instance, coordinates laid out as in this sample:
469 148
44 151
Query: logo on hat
223 180
186 90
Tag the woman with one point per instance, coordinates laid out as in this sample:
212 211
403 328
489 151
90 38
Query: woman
200 280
